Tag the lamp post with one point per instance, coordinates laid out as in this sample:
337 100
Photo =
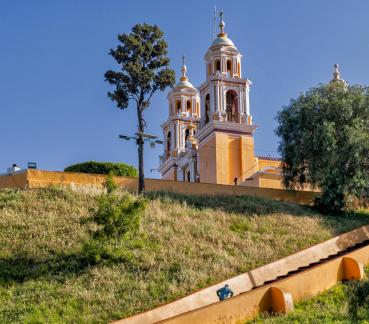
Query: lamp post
148 138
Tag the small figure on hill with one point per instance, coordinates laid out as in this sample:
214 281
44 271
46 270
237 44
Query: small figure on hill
225 292
235 181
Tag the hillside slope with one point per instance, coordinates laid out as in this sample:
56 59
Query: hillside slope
191 242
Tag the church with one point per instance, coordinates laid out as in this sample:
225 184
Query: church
208 136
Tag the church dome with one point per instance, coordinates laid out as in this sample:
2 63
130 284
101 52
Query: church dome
183 81
184 84
222 41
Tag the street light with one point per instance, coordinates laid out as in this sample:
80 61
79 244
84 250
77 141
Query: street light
148 138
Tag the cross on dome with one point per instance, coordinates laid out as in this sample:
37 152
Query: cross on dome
183 80
183 69
222 38
221 24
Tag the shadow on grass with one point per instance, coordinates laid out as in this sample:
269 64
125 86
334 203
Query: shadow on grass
20 268
233 204
251 206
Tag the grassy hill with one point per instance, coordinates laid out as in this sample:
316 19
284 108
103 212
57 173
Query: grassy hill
192 242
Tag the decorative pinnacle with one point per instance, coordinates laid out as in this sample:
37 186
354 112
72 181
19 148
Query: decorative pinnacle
336 73
191 127
184 69
221 24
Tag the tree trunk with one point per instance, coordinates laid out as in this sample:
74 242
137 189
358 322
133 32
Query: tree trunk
141 176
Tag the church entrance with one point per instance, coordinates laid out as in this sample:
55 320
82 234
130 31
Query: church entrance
232 106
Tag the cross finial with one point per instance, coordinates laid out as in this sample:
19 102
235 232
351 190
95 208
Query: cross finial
222 23
184 69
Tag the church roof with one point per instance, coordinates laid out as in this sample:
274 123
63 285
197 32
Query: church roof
184 84
222 41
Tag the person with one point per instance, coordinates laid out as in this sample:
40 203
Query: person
225 292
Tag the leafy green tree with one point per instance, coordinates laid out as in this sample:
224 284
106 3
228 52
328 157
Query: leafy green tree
324 142
144 69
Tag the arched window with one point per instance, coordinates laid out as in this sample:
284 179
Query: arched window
217 66
187 134
169 142
188 106
232 106
197 108
239 69
229 68
178 106
209 69
189 176
207 108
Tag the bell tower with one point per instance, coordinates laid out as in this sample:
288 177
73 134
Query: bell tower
208 136
224 94
180 127
225 139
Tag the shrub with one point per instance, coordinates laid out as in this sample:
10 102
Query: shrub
117 222
110 184
117 169
118 215
358 299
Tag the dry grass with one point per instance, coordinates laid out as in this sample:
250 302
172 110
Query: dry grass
191 242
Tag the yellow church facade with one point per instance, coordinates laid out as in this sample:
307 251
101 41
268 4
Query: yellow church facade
208 136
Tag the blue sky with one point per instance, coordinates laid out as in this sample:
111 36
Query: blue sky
53 54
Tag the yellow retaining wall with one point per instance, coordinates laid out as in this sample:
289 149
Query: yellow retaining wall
38 178
299 286
256 277
265 180
16 180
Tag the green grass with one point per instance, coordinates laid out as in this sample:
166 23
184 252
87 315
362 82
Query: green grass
330 306
190 242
